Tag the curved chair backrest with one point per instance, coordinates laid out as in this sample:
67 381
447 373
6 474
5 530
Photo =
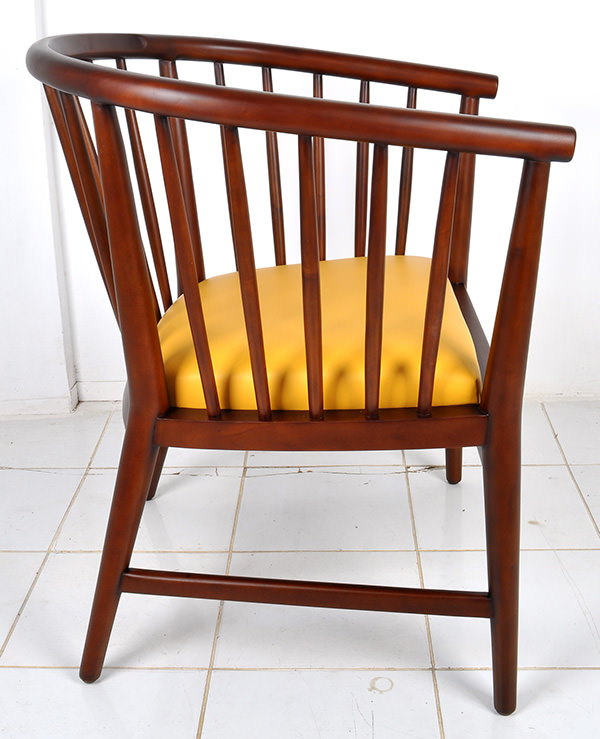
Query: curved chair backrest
137 273
96 168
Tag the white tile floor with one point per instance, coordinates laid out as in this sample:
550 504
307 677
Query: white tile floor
183 668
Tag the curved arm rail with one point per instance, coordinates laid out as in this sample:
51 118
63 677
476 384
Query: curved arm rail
55 62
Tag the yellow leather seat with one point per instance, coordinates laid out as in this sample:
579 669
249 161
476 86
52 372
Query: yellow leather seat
343 294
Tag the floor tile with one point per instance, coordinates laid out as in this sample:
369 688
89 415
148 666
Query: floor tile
254 635
332 509
452 516
448 516
51 441
551 705
426 458
282 705
559 609
577 425
553 514
148 631
325 459
18 572
458 642
538 444
192 510
284 671
32 505
39 704
588 479
109 451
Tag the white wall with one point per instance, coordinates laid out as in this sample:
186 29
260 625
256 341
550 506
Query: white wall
546 60
35 359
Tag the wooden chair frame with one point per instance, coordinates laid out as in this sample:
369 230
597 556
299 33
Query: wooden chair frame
99 168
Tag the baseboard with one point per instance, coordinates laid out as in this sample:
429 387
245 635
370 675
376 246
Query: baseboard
38 406
110 390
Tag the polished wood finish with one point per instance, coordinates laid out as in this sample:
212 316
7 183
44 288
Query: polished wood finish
362 185
274 181
324 594
438 278
311 286
375 281
98 164
319 149
406 173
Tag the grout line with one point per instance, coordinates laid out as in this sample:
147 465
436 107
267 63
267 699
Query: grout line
370 669
427 623
568 466
54 538
213 652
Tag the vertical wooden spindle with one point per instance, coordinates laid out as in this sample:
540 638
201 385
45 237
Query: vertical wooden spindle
438 278
147 200
242 242
311 290
220 80
406 171
375 280
168 68
461 234
319 149
274 181
186 264
136 308
84 170
362 185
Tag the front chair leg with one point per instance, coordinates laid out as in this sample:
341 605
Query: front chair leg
136 469
502 487
454 465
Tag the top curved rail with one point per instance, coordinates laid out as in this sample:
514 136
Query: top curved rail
98 46
63 62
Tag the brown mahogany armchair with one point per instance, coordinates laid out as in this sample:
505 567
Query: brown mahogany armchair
367 352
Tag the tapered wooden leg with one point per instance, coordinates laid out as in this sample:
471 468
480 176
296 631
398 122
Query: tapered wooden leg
454 465
136 469
160 460
502 483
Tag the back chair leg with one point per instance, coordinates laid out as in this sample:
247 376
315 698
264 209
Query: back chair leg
454 465
160 460
136 470
502 484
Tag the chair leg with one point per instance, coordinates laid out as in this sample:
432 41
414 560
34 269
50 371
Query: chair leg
502 484
136 469
160 460
454 465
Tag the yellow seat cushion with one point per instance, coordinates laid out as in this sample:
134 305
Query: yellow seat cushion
343 295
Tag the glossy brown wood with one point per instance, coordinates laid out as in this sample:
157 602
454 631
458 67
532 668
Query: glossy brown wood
406 173
304 593
98 166
68 126
399 428
362 185
461 231
311 286
148 204
319 154
184 166
375 281
244 253
274 181
438 278
187 269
